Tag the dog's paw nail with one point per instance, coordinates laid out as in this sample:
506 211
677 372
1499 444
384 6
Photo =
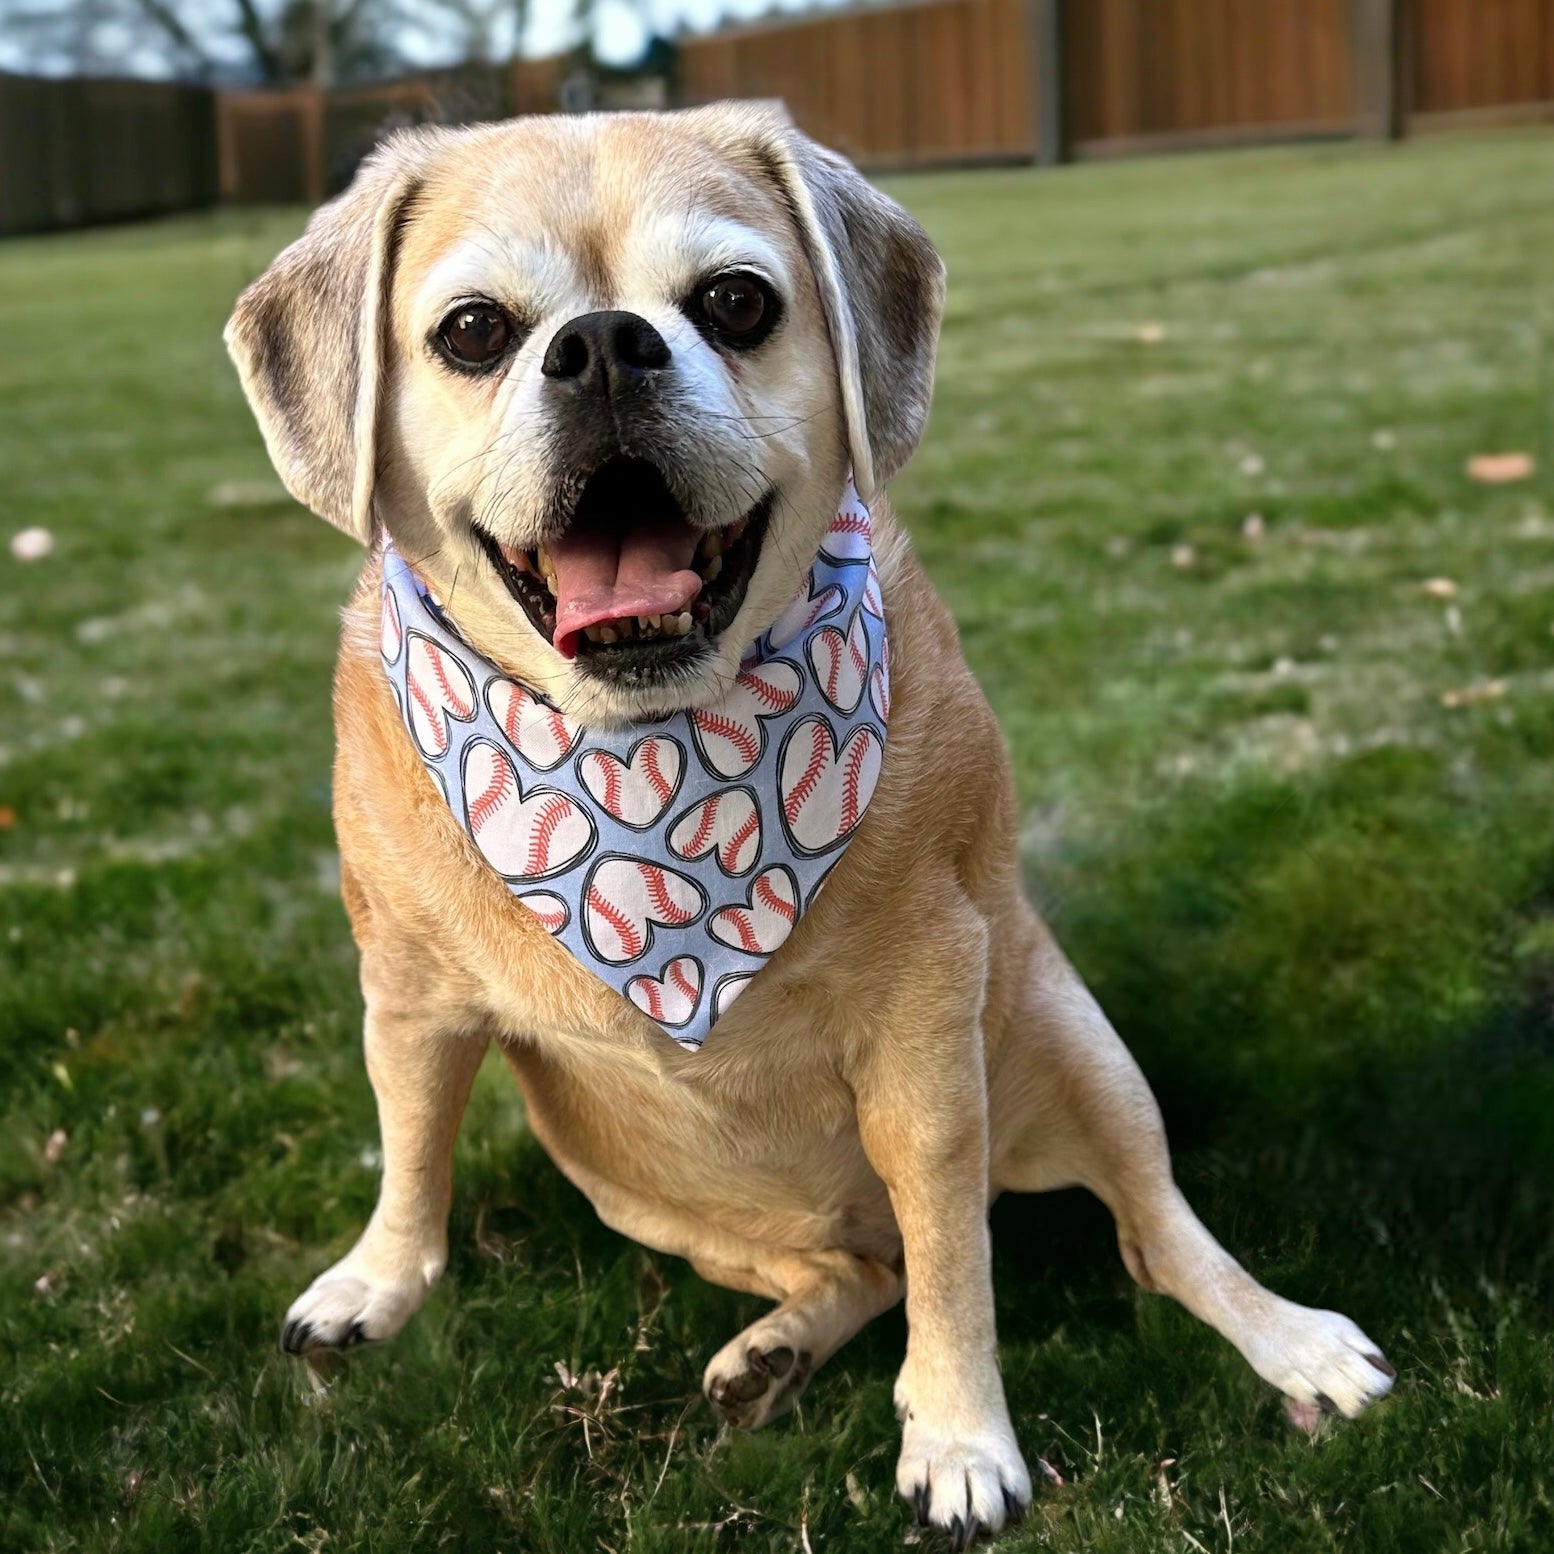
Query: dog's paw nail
922 1503
295 1336
1381 1365
1014 1507
1326 1404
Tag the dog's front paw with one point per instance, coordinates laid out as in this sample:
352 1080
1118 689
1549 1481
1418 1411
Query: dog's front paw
965 1480
346 1306
1319 1357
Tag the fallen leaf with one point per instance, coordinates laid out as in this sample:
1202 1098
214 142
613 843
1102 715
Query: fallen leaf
54 1149
7 817
1439 587
31 544
1473 695
1500 469
1183 557
1151 333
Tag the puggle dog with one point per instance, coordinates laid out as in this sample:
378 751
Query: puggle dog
636 358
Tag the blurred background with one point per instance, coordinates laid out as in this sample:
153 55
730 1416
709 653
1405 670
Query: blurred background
1237 483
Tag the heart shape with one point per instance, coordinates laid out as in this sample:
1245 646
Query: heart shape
672 996
624 899
440 689
639 789
803 613
727 823
873 600
728 989
841 662
879 683
391 635
554 914
524 836
730 737
542 734
847 538
765 919
824 790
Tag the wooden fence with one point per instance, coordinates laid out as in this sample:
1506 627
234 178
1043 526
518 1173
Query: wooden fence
76 152
909 85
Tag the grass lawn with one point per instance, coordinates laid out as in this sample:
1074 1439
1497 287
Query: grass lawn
1287 807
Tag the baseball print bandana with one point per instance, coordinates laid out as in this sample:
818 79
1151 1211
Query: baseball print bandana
672 858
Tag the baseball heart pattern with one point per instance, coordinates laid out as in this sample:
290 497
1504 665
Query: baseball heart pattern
671 858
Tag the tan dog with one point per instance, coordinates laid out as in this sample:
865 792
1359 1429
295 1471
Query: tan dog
681 326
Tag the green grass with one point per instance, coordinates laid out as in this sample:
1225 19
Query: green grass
1318 901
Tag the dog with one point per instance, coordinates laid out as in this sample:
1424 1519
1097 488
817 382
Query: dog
677 342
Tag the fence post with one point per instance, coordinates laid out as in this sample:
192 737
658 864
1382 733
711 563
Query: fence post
1380 29
1049 31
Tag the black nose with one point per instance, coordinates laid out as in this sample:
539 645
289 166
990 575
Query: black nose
606 353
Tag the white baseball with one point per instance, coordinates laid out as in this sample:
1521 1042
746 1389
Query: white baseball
766 918
639 789
824 790
392 634
728 989
554 914
847 539
440 688
841 662
626 898
523 836
804 612
542 734
879 683
672 996
729 735
727 822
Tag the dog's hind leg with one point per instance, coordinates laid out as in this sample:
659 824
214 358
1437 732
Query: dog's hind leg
1071 1108
828 1297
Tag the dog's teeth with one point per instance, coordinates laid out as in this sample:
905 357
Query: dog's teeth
712 568
608 634
682 623
594 633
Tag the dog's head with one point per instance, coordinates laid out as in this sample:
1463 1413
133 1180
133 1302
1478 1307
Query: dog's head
602 380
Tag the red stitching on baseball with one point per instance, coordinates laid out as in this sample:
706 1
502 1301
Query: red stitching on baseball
833 673
559 731
655 1002
849 523
430 708
730 850
820 741
744 740
606 763
739 919
696 844
778 700
691 990
496 791
631 940
855 759
781 906
658 894
860 654
459 704
554 810
661 784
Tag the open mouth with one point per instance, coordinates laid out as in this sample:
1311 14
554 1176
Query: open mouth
630 585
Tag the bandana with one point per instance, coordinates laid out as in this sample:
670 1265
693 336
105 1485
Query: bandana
672 858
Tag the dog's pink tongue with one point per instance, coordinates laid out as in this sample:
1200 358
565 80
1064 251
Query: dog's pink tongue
602 575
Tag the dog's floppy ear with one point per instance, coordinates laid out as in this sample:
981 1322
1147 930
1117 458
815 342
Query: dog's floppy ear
307 339
881 284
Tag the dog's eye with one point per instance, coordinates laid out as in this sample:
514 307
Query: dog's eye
739 308
475 334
